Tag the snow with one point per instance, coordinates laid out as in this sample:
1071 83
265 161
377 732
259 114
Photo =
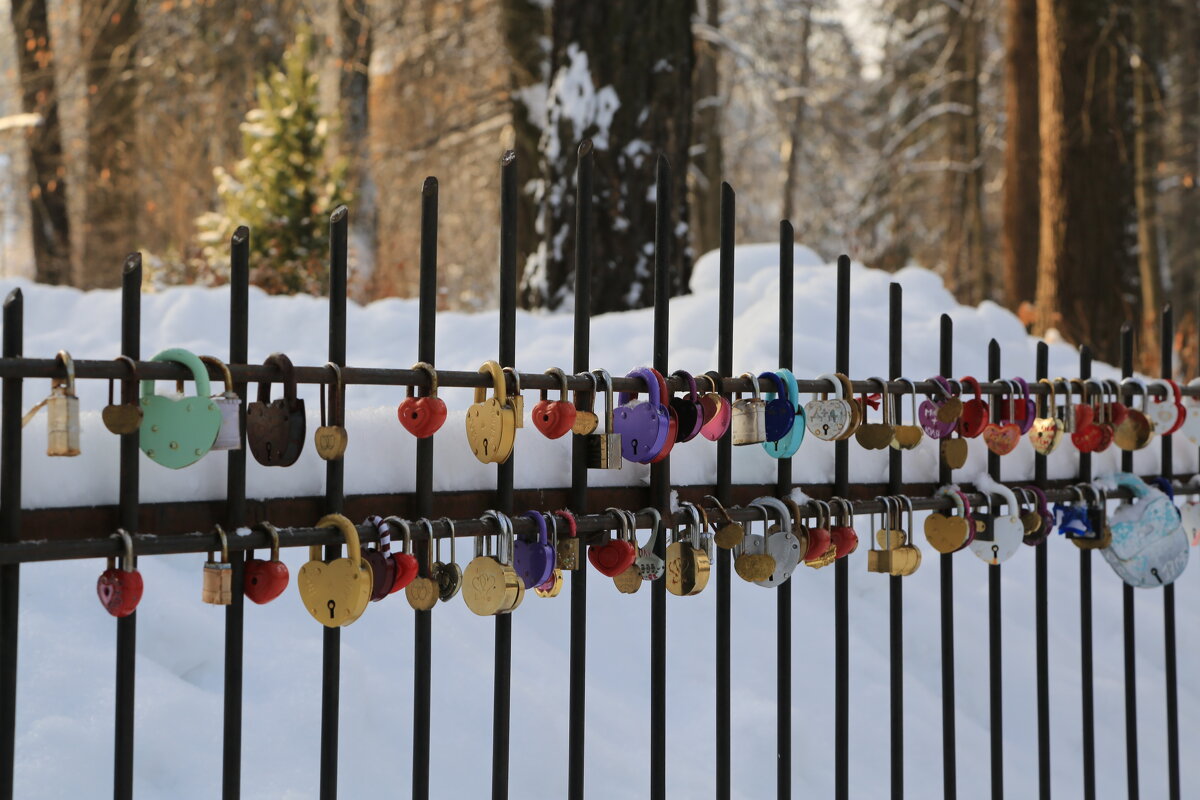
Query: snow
67 645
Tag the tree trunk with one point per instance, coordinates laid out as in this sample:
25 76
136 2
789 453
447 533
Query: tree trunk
1147 149
1184 238
1019 245
47 169
1085 251
354 58
708 155
796 128
109 37
621 73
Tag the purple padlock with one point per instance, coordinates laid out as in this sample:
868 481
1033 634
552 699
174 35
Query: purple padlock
780 413
687 409
534 561
927 412
643 425
1030 405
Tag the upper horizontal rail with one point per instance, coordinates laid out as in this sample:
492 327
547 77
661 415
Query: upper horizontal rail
382 376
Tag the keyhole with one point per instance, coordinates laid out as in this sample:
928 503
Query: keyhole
634 443
485 447
268 451
331 604
996 552
1157 577
825 428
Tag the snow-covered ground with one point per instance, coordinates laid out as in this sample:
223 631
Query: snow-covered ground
67 642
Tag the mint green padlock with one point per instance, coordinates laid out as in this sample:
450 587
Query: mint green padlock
177 433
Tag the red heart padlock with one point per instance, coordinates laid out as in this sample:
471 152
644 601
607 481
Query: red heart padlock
613 558
974 416
120 589
404 564
263 581
841 531
1087 435
819 539
554 418
422 416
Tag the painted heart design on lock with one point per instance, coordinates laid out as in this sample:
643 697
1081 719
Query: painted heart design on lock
554 418
1001 439
422 416
119 591
484 584
1046 434
934 426
827 419
613 558
264 580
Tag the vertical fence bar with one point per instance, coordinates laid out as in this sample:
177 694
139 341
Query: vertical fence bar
660 489
841 574
579 473
783 487
423 620
10 531
235 516
1167 337
724 492
131 345
504 473
895 582
946 600
995 686
331 645
895 585
1086 686
1041 606
1131 737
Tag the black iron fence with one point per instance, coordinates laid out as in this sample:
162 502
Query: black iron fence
185 528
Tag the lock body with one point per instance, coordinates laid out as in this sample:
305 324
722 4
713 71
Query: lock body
567 554
749 423
218 583
229 435
63 423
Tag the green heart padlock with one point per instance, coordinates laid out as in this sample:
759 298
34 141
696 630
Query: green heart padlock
178 432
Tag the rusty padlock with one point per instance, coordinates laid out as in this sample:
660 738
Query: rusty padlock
276 428
218 575
62 412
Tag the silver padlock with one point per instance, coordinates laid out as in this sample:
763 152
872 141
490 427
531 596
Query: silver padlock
604 449
749 423
62 412
229 435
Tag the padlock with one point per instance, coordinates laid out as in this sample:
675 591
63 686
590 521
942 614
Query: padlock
906 558
229 436
62 412
554 418
749 423
379 559
780 543
120 589
276 429
492 421
218 575
717 410
337 592
644 425
567 548
876 435
1137 429
486 583
672 418
178 431
687 565
650 565
906 437
729 532
880 560
331 439
127 417
947 533
629 580
604 449
263 581
534 560
787 446
687 409
515 398
586 420
779 412
831 420
449 576
422 416
751 561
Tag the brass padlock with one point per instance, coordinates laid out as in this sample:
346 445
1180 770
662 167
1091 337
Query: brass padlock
229 435
218 575
880 560
515 398
729 532
586 420
749 423
62 412
126 417
491 421
566 549
331 439
604 449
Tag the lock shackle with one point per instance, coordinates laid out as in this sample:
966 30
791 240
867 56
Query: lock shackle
912 394
1047 403
453 550
220 534
776 505
127 561
885 401
516 376
562 385
572 528
690 381
1141 385
905 503
1024 386
886 501
776 381
968 380
793 391
540 521
622 522
608 398
337 394
552 521
64 358
272 532
128 385
284 364
960 502
429 537
794 510
384 545
713 377
188 359
725 518
1011 398
348 531
838 388
226 375
845 517
652 388
1042 501
941 388
428 369
404 526
688 507
591 405
755 394
498 386
1099 399
654 527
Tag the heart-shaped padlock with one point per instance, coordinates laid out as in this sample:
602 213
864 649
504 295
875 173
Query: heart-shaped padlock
405 565
1190 428
829 419
276 429
876 435
672 419
379 559
178 432
717 410
938 415
492 422
120 589
779 411
1149 547
615 556
422 416
841 526
944 532
554 418
1047 430
751 561
586 420
781 544
534 560
790 443
264 580
649 564
1003 533
688 410
448 575
643 425
1002 437
974 417
1136 431
337 592
1024 410
126 417
1163 411
906 437
229 437
331 438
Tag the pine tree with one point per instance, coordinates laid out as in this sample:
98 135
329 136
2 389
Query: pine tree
284 187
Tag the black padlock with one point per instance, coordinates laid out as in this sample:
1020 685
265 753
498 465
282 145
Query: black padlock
275 429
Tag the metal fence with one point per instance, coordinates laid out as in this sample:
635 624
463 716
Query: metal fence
183 527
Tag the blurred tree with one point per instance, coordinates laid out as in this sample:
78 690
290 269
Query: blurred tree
1146 61
285 186
47 169
621 74
109 33
707 153
1019 244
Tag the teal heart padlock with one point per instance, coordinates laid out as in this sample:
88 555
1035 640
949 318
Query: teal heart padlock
178 432
790 443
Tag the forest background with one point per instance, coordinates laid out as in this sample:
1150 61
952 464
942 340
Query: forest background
1041 154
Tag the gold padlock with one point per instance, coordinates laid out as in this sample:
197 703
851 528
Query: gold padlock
749 423
604 449
880 560
586 420
331 439
337 592
62 412
218 575
566 550
492 421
